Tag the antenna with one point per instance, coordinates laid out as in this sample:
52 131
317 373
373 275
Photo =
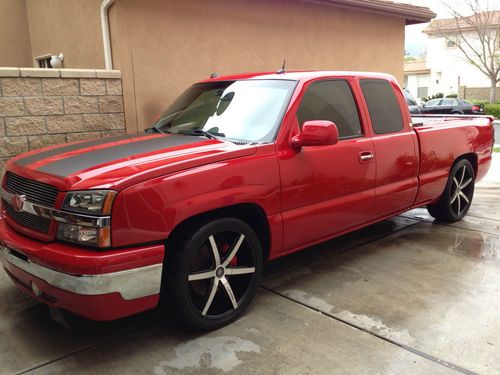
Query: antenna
214 75
282 70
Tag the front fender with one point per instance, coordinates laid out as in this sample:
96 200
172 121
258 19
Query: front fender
149 211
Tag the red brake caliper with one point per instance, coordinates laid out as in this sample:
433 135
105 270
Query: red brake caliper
225 249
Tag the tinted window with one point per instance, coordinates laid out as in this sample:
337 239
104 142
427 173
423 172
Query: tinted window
448 102
409 98
432 103
332 101
384 109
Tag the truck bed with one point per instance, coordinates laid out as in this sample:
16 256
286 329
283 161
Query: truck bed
468 135
419 120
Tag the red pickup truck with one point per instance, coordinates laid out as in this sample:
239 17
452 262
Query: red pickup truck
239 170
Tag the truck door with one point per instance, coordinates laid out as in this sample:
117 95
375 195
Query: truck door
395 148
327 189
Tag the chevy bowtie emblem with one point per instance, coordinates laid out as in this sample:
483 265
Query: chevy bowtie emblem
17 202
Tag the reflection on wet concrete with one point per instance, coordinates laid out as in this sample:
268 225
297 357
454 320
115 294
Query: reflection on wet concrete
277 336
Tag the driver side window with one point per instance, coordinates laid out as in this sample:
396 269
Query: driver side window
332 101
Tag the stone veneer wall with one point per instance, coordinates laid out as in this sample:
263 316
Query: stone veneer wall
42 107
477 93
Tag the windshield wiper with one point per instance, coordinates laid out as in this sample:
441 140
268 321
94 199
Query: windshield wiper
154 129
204 133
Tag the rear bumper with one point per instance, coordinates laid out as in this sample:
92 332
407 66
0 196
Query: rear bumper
131 285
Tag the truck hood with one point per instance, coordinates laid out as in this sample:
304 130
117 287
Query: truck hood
119 162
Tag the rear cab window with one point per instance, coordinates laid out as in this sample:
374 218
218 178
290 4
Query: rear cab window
383 106
331 100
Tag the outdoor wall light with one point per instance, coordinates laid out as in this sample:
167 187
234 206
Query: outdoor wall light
56 61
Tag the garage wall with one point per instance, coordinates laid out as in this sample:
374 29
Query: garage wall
72 27
162 46
14 35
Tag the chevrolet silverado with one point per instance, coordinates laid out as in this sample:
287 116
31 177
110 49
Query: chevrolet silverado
239 170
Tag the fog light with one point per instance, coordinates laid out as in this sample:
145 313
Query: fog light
99 237
35 289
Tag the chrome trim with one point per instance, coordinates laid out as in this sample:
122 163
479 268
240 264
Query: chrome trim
131 284
58 215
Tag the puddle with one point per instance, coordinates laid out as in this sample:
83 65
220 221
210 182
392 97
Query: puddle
365 322
207 352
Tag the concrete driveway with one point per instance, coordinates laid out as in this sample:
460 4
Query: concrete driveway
404 296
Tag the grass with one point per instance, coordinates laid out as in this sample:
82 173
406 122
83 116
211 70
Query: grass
496 149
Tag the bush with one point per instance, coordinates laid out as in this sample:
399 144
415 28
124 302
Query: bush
452 96
436 96
492 110
479 102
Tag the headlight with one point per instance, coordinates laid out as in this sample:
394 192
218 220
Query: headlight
90 202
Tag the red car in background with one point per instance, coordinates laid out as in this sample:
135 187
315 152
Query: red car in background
239 170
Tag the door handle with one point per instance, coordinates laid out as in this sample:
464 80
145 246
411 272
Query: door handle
366 157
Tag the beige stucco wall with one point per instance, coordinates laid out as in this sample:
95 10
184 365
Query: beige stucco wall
14 35
72 27
162 46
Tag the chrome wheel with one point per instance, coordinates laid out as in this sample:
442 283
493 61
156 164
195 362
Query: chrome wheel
461 191
456 199
221 274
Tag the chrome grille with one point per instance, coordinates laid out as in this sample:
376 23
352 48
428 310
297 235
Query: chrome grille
36 192
28 220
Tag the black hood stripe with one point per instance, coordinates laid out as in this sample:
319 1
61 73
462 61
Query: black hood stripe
71 165
75 147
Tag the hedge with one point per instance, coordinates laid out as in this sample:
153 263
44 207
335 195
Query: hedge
492 110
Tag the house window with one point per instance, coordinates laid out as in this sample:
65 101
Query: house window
451 42
43 61
423 92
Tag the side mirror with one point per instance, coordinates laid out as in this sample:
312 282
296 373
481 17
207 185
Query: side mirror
316 133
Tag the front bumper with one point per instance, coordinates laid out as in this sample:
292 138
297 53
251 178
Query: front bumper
102 285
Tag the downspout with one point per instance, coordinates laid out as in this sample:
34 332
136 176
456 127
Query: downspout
106 39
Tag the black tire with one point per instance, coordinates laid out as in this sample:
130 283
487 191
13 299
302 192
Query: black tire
202 281
456 113
456 199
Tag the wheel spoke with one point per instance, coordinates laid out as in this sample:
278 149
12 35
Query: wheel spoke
201 275
210 299
215 251
456 183
229 292
234 250
240 270
464 196
463 175
455 196
465 184
458 210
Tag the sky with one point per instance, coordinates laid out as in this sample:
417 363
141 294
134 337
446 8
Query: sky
415 40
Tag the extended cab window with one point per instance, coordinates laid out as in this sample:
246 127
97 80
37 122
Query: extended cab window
384 109
331 101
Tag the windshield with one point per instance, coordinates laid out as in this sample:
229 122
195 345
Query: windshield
249 111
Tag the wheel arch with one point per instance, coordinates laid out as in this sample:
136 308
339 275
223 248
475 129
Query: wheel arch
250 213
472 158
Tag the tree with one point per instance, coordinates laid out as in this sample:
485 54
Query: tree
476 35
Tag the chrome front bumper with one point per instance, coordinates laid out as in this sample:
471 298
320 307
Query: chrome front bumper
130 284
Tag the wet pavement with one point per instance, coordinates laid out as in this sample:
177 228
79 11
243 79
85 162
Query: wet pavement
407 295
